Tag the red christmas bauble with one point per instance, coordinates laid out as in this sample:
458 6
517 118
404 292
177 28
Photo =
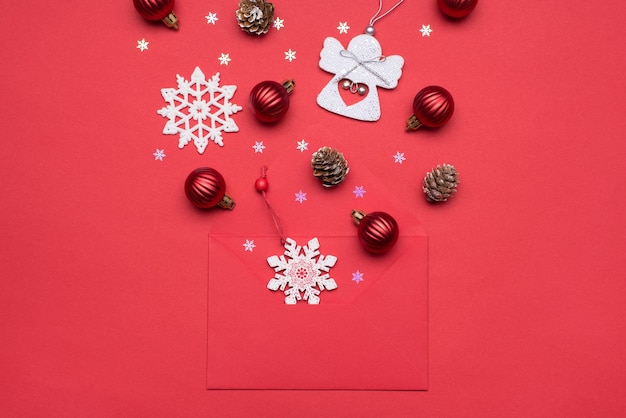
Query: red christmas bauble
456 9
157 10
205 188
269 100
378 231
433 106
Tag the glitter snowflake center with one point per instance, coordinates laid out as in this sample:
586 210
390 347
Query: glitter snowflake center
199 110
301 274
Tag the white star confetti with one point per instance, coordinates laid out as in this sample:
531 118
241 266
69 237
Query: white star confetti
159 154
290 55
357 277
399 157
343 27
142 45
258 147
224 59
302 146
359 191
300 196
211 18
279 23
426 30
249 245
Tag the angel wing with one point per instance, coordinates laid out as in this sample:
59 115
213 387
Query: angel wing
392 71
330 58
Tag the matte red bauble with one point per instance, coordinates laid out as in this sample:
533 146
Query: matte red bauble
269 100
158 10
378 231
205 188
456 9
432 107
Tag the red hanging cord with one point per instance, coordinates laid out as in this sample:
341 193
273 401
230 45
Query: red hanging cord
261 185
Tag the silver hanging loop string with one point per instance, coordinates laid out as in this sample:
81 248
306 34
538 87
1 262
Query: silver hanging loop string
370 28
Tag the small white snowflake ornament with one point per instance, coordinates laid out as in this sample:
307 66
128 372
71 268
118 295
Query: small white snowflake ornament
199 110
302 273
361 63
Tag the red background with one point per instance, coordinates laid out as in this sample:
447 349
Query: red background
103 262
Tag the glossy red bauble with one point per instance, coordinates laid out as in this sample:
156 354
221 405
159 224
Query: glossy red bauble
205 188
269 100
261 184
433 106
456 9
157 10
378 231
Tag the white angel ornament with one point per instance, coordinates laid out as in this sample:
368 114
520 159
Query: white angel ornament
361 68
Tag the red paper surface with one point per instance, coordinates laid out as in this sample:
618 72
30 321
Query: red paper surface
256 341
103 262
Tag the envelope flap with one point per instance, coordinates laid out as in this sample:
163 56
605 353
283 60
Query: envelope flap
305 207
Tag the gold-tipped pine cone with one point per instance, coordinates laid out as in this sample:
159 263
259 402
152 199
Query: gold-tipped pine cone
330 166
440 183
255 16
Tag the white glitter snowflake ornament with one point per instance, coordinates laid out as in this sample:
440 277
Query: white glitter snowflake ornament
363 68
302 272
199 110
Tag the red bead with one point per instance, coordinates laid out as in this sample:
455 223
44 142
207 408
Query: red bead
433 106
269 101
378 232
457 9
154 9
205 187
261 184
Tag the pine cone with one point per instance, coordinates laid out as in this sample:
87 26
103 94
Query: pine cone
255 16
440 183
330 166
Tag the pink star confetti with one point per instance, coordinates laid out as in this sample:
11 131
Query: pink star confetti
399 157
357 277
359 191
300 196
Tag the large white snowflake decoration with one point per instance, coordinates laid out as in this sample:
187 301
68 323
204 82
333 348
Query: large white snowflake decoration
199 110
302 272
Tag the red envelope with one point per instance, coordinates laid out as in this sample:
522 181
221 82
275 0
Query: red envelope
368 334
